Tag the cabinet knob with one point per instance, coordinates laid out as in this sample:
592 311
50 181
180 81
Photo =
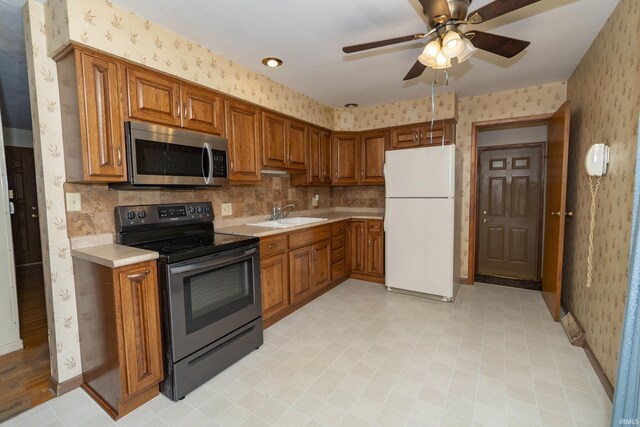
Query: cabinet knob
184 109
272 246
119 155
178 108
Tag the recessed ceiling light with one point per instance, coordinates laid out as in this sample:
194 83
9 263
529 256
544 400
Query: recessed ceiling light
351 105
272 62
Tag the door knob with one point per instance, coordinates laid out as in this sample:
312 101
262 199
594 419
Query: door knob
484 212
560 213
34 215
484 220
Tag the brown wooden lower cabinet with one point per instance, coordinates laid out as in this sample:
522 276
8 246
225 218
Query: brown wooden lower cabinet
119 331
297 267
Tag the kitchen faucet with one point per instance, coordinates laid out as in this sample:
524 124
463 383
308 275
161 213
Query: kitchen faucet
282 213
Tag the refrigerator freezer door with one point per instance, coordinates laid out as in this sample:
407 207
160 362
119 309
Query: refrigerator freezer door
420 172
419 245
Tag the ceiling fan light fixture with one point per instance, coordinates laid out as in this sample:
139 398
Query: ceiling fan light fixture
442 62
427 60
452 44
467 52
432 49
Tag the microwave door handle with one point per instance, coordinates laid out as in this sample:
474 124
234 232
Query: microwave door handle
206 175
210 152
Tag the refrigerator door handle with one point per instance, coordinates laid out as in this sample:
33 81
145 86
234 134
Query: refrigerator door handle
387 211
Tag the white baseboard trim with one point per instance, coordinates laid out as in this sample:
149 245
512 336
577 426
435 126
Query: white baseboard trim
11 347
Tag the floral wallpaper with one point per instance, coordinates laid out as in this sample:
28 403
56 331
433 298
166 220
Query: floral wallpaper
605 94
527 101
105 26
395 113
47 144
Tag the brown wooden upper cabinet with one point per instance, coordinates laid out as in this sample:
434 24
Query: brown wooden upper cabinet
345 158
92 121
412 136
156 98
284 143
319 159
243 132
374 145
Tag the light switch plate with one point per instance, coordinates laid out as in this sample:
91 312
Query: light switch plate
74 203
226 209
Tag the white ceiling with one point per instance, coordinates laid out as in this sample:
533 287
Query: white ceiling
309 35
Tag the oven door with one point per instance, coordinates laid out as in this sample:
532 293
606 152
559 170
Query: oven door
212 296
160 155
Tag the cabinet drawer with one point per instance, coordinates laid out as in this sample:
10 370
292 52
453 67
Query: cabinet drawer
338 228
337 242
273 245
309 237
374 226
338 270
337 255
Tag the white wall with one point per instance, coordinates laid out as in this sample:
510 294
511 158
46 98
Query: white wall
521 134
17 137
9 327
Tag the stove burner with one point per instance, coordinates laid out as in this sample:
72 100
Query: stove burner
178 247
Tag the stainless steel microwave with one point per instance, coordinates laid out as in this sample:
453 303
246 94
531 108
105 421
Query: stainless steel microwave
161 156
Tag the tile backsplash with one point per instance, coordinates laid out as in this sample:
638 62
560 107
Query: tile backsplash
99 201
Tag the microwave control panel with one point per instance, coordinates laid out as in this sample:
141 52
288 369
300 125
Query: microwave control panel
219 163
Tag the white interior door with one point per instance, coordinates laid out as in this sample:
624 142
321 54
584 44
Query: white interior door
9 326
419 244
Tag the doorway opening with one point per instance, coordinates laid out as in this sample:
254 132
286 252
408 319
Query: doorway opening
510 198
25 374
517 209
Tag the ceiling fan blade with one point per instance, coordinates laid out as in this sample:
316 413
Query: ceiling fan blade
500 45
433 8
497 8
387 42
415 71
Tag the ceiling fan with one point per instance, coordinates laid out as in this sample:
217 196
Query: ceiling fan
445 17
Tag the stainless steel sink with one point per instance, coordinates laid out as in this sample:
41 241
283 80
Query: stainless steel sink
287 222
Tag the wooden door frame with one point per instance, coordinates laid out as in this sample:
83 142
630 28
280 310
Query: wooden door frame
473 185
541 145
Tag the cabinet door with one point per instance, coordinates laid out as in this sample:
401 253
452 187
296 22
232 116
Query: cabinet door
405 137
325 157
321 264
274 272
373 147
101 120
138 319
346 159
435 135
297 146
153 97
202 110
375 254
300 273
274 141
357 249
315 156
243 133
348 246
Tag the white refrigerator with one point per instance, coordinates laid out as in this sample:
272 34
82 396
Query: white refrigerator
422 221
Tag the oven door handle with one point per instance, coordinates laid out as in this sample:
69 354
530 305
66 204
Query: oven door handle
208 176
216 261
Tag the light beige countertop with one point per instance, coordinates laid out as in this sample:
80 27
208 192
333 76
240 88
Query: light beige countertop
331 216
113 255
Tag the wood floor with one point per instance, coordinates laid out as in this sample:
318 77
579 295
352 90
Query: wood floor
24 374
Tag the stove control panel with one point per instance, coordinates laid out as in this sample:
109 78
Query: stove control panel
130 217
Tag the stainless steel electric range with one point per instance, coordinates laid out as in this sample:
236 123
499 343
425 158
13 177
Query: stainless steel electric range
211 304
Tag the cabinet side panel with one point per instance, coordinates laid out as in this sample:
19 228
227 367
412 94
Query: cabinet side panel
70 110
97 330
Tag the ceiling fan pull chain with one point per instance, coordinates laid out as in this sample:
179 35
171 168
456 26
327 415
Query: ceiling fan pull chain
446 82
433 105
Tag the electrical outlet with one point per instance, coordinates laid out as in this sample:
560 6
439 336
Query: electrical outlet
74 202
226 209
314 200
